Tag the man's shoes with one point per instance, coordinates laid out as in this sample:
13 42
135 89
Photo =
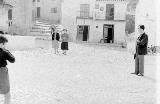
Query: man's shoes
140 74
134 73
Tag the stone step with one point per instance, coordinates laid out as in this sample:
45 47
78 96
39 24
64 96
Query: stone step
41 27
44 23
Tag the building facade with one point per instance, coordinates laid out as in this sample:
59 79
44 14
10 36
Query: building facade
49 10
95 20
5 14
22 17
25 13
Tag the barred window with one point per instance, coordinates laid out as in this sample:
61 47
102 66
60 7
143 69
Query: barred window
110 11
84 10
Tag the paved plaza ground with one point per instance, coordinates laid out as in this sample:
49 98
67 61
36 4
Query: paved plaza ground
89 74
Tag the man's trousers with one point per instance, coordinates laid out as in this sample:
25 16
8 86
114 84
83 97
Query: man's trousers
139 64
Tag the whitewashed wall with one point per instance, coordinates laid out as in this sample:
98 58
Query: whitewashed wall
3 19
120 10
45 8
157 6
146 15
22 15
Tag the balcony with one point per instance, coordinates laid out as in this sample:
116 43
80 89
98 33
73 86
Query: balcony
84 15
101 16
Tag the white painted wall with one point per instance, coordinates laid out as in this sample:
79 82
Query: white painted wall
144 8
119 34
3 19
157 6
120 10
45 8
22 16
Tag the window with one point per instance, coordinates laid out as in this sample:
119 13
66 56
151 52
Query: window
84 10
34 0
96 6
10 14
110 11
38 0
53 10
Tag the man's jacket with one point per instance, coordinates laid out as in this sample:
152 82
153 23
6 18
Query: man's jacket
141 47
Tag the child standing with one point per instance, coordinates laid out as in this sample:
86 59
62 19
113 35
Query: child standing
65 39
5 56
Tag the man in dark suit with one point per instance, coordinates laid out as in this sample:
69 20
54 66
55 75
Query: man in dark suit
141 50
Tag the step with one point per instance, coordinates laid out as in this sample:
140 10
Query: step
42 25
41 22
40 28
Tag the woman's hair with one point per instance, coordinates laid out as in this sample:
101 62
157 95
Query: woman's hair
53 29
3 39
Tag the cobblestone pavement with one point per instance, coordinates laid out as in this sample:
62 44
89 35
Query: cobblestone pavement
85 76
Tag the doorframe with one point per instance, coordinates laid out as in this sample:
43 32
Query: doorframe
39 12
112 31
78 31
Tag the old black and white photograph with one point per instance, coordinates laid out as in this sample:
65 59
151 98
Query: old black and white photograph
79 52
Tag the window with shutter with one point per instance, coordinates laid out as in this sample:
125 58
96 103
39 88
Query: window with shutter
110 11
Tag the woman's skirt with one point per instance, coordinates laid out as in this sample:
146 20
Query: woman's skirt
55 44
64 45
4 80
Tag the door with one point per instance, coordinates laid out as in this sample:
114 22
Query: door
38 12
108 33
82 33
10 17
85 33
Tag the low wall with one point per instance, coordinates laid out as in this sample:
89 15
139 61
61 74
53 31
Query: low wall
20 42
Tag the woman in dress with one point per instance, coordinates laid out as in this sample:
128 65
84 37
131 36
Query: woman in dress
5 56
65 39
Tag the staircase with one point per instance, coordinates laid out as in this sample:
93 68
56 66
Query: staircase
41 27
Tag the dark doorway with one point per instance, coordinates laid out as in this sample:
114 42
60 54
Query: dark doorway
85 33
38 12
10 17
108 33
82 33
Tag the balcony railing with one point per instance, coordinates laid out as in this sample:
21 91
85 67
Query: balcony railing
84 15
